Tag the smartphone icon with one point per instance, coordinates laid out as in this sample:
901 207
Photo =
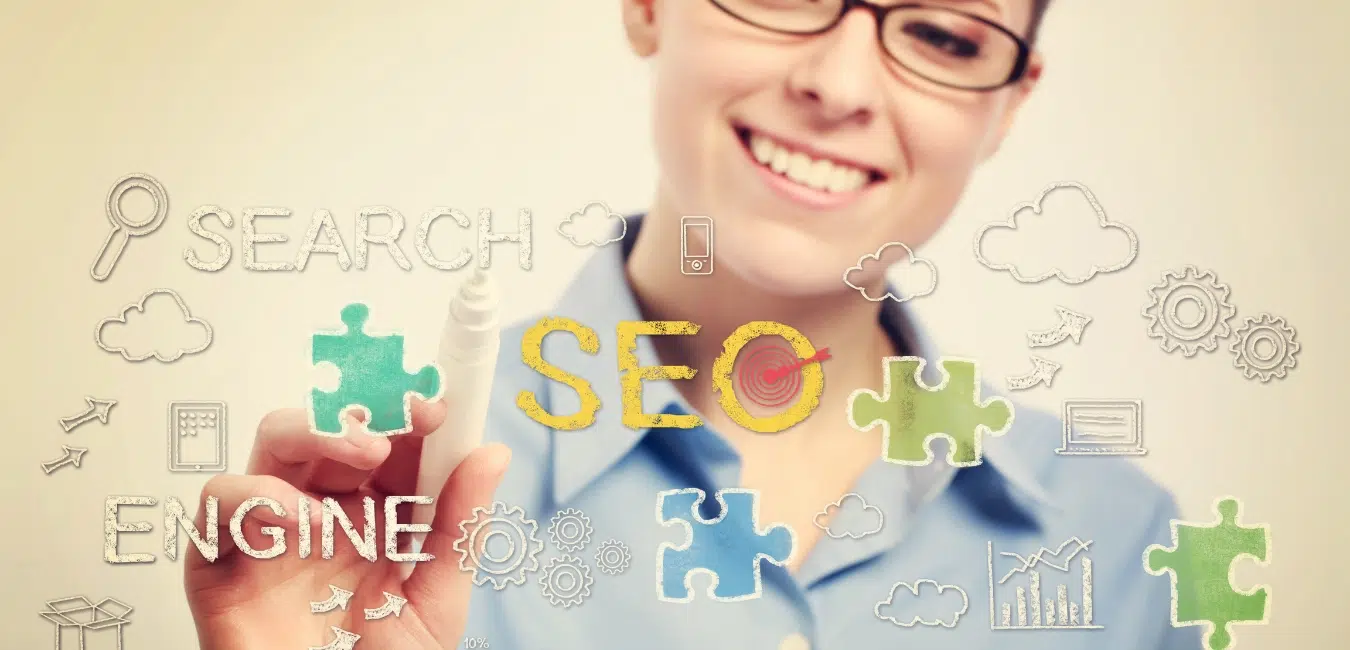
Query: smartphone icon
696 245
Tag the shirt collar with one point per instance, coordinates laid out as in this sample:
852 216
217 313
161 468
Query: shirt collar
600 297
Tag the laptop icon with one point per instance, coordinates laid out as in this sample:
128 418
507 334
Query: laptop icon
1103 427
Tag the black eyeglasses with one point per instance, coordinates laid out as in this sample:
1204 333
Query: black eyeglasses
945 46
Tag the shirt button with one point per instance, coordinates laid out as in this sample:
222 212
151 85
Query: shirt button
794 641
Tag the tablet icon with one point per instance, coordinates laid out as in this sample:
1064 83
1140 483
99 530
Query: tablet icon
696 245
197 437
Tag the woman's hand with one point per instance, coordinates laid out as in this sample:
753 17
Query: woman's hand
244 603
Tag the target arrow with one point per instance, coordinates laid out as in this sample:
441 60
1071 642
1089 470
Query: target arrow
772 375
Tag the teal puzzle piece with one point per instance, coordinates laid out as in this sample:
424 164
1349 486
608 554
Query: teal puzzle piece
1200 563
911 414
372 378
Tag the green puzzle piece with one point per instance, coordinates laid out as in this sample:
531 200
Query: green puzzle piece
911 414
372 378
1200 563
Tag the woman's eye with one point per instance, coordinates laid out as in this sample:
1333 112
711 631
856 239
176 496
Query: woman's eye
941 39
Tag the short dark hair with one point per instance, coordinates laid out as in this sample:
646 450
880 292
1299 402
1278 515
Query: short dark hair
1038 9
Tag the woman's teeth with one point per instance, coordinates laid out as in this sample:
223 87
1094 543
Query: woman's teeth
823 175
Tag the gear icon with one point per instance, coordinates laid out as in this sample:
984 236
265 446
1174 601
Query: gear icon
522 545
1265 348
613 557
566 581
570 530
1193 334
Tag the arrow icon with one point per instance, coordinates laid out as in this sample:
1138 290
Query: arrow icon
1042 372
338 600
344 641
72 456
1071 326
392 605
98 408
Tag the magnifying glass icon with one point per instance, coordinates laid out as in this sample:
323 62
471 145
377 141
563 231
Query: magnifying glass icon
123 228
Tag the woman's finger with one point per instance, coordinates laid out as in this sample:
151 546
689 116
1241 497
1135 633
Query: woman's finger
287 449
438 588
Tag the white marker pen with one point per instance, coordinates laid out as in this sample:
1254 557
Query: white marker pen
468 361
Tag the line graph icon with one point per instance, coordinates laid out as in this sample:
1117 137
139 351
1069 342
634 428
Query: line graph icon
1066 566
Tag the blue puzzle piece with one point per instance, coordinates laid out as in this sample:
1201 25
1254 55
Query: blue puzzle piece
372 377
730 548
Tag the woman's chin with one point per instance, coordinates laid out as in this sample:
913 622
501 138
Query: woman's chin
789 275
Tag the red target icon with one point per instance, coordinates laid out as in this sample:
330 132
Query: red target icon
772 376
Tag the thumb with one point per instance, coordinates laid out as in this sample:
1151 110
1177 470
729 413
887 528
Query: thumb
440 589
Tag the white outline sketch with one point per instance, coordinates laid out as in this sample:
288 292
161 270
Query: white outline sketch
838 506
176 411
1042 372
688 525
1070 327
613 565
977 444
1208 626
393 606
139 306
1036 208
1027 563
584 213
1078 441
107 613
570 597
95 409
343 415
124 229
1268 328
1201 287
558 534
73 456
691 264
339 599
523 554
910 258
914 589
342 640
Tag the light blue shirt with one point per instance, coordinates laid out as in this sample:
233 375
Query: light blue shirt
940 524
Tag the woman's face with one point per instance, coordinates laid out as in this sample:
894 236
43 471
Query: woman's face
887 154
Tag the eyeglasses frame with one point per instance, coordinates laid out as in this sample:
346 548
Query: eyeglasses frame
881 12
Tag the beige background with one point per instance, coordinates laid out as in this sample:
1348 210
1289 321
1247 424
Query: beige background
1215 129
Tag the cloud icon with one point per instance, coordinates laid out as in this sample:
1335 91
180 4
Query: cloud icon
1073 241
918 275
593 225
923 603
850 517
158 326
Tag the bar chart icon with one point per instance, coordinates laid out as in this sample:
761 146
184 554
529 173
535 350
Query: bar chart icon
1046 590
